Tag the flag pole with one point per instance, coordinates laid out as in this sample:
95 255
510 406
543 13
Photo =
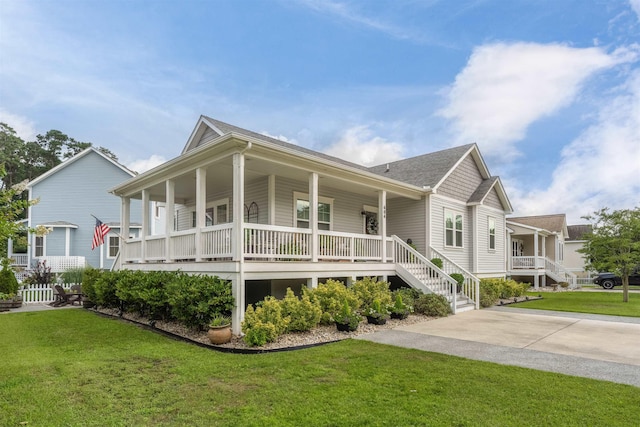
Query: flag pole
116 232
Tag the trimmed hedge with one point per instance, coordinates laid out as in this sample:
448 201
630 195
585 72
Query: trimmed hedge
491 290
432 305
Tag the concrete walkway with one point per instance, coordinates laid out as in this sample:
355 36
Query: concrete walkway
592 346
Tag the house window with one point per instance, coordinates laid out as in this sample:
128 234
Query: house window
217 212
38 247
114 246
453 228
492 233
325 208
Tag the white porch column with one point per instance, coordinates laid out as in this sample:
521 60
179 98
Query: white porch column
382 222
238 208
312 282
169 200
536 281
67 241
271 199
201 203
237 245
10 248
313 215
475 265
535 249
145 224
544 246
125 214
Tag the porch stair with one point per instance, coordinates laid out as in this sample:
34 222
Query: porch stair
422 274
560 274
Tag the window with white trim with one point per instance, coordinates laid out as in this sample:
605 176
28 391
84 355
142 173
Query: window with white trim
492 233
113 245
325 209
453 226
217 212
38 246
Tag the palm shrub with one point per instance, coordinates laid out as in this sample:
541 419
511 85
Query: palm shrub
432 305
369 290
330 296
303 313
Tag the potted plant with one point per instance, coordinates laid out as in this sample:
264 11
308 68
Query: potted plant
347 320
9 286
399 310
459 278
219 329
376 314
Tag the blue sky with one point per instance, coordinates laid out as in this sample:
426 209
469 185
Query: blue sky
549 90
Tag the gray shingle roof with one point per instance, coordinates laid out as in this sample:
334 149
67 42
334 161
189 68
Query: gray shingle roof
424 170
482 190
577 231
227 128
554 223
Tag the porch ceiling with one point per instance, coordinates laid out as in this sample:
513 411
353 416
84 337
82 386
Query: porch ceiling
220 175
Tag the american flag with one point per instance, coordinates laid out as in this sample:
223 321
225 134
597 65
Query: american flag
99 232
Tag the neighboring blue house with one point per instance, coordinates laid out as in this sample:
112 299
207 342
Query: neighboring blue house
69 195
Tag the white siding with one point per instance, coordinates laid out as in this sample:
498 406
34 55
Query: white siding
207 137
407 219
490 260
461 256
463 181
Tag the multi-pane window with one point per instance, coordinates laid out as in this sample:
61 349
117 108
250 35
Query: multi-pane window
114 246
39 246
492 233
453 227
302 212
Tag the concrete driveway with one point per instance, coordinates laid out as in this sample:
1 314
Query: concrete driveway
600 347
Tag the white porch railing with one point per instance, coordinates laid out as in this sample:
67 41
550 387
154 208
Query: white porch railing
527 262
261 241
421 273
471 284
559 273
19 259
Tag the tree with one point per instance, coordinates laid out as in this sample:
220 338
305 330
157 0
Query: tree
11 208
614 243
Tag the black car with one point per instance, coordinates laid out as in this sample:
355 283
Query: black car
609 280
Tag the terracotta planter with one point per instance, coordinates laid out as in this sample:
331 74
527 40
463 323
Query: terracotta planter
219 334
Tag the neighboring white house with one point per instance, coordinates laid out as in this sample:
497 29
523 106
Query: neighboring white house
266 215
537 249
574 260
68 195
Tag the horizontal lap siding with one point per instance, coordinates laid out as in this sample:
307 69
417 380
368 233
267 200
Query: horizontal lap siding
462 256
347 207
208 136
74 193
490 261
257 191
406 219
493 200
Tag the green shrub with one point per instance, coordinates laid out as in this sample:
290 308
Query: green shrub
437 262
89 277
265 323
432 305
489 292
347 316
73 276
330 296
8 282
502 288
303 313
459 278
195 300
408 295
104 290
369 290
143 292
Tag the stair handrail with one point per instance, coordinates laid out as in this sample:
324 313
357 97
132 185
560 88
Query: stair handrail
471 286
560 271
412 256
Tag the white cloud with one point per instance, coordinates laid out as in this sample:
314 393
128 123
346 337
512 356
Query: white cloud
506 87
280 138
143 165
600 168
359 145
24 127
635 5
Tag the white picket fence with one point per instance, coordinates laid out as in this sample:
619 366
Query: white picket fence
34 294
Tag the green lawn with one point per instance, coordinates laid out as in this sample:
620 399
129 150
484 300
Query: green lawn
74 368
606 302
